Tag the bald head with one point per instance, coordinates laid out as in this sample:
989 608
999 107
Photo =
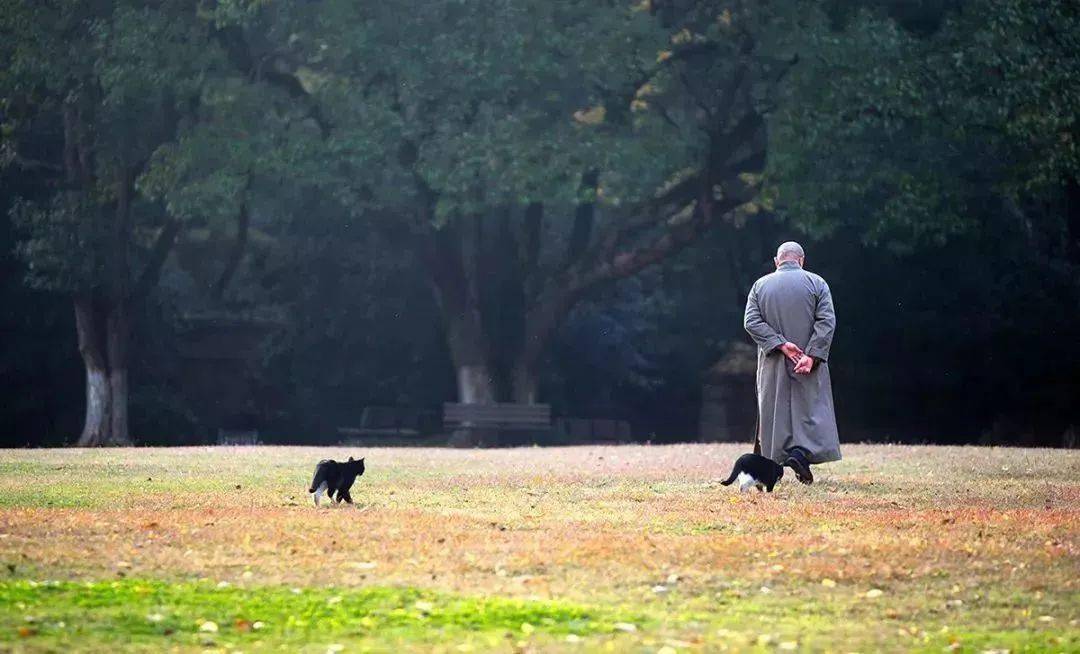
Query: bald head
790 251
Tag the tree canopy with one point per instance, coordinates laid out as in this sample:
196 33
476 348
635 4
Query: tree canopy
504 200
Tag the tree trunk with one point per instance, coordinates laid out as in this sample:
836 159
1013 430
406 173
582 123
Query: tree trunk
468 350
475 384
1072 219
450 255
526 383
97 425
117 328
236 252
114 311
543 317
475 381
103 340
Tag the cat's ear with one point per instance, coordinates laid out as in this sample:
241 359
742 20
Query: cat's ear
361 459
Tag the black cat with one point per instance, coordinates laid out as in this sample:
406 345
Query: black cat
335 477
755 470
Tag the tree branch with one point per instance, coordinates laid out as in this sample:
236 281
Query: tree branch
653 212
236 252
35 164
159 252
238 51
529 243
679 232
675 239
584 215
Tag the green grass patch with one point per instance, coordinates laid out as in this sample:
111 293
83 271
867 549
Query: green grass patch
151 615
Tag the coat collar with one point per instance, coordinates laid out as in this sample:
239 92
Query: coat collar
789 265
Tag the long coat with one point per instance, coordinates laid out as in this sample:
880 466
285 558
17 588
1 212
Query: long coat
793 305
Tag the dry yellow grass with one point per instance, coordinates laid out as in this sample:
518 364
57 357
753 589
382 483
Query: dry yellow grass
895 547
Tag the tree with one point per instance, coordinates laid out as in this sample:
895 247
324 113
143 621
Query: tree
949 143
528 153
921 128
92 91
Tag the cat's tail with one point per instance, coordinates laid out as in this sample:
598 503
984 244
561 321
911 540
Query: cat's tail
732 478
317 479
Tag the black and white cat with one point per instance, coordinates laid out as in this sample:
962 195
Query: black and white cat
755 470
334 477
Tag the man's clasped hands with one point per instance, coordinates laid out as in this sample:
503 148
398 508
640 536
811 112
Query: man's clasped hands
804 363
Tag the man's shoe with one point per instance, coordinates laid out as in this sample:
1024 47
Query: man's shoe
802 469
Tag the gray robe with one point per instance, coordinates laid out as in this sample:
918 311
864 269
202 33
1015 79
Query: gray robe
793 305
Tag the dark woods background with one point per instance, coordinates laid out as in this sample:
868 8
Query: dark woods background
273 215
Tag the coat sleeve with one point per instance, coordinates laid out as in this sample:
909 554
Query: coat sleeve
824 325
765 336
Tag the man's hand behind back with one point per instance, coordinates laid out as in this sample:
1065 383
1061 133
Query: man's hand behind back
804 365
792 352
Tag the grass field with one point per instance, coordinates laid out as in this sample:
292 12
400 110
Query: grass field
627 548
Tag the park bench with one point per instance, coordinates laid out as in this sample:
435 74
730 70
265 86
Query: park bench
481 422
238 437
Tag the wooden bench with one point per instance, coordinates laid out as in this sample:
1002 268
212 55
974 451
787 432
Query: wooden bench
238 437
496 417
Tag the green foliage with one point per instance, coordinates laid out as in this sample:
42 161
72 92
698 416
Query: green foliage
492 104
67 248
915 134
245 141
101 86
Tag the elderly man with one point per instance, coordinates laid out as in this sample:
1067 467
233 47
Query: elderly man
789 314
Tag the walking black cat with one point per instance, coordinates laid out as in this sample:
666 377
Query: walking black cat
755 470
333 477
